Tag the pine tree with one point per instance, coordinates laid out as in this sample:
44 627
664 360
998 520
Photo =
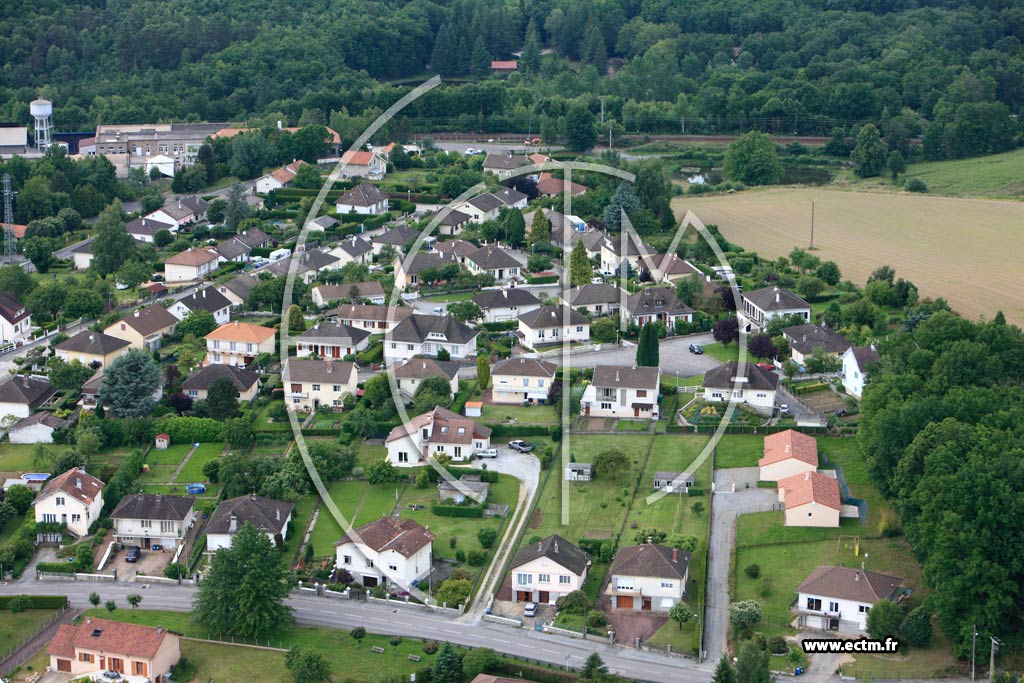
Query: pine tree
447 666
515 228
483 372
724 672
752 665
206 158
647 354
222 399
540 228
296 323
530 60
580 271
442 57
593 50
480 62
462 56
130 383
624 199
593 669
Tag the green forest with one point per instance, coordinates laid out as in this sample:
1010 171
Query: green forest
932 69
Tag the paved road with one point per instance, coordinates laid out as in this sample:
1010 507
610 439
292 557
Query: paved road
516 146
339 614
726 506
673 352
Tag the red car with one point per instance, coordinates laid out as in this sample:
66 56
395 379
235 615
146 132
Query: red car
766 366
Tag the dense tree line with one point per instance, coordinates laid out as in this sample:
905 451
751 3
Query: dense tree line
941 430
916 67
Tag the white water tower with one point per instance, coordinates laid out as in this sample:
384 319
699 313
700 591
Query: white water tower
42 112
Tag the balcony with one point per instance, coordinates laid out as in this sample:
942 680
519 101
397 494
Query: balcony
298 394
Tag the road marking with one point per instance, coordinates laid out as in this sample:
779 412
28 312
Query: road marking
554 652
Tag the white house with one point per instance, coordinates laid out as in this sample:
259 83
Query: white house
238 343
838 598
858 361
811 499
546 570
596 299
804 340
786 454
364 199
386 551
553 325
74 499
657 304
359 164
352 249
315 383
504 164
278 178
21 394
372 291
181 211
507 303
191 264
331 341
438 432
410 374
148 519
197 386
426 335
15 319
377 319
522 380
648 577
36 428
145 328
144 229
761 305
755 387
407 270
207 299
269 516
496 262
623 391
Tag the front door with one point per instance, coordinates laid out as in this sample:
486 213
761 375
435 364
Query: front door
624 602
646 605
544 597
588 410
146 542
636 411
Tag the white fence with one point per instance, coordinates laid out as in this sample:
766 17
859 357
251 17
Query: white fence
518 623
57 576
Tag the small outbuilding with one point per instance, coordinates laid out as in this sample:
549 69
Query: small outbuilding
162 441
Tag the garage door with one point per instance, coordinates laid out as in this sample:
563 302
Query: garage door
625 602
64 665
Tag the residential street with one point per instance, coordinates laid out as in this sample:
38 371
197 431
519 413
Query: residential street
675 357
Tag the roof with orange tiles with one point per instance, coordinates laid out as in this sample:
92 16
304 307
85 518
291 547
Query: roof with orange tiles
810 487
110 637
241 332
192 257
789 444
76 483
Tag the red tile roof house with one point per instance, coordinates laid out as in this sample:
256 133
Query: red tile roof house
98 645
787 454
278 178
811 499
74 498
363 165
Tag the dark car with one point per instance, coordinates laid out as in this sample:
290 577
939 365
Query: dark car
133 554
696 348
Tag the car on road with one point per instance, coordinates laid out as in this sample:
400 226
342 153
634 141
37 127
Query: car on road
784 410
133 554
520 446
530 610
473 151
697 349
487 453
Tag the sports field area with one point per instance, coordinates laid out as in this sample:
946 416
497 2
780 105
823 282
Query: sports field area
965 250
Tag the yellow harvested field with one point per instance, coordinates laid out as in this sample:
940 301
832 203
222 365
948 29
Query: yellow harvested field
968 251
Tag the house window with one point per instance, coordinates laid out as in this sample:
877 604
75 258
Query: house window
761 394
369 564
346 559
833 606
668 584
336 388
193 393
49 517
524 579
76 518
85 657
393 567
60 501
544 578
606 406
166 526
564 579
409 347
540 383
138 668
641 393
579 328
458 451
814 604
316 387
863 609
146 523
394 345
526 382
403 456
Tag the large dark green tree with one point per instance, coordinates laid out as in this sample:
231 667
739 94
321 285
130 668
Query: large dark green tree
752 160
580 133
244 589
131 384
647 354
222 399
869 156
112 245
447 667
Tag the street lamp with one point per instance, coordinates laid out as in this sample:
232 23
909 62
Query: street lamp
974 639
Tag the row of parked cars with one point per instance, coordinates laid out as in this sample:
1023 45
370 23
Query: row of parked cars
516 445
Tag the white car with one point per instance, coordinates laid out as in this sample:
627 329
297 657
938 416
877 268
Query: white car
530 610
473 151
487 453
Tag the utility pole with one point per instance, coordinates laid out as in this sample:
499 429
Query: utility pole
8 228
812 225
602 109
974 639
682 123
609 137
992 658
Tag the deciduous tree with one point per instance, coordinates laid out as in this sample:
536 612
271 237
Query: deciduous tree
751 159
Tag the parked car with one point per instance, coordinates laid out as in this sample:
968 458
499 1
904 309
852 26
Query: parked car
530 610
487 453
156 277
697 349
133 554
520 446
766 366
111 675
473 151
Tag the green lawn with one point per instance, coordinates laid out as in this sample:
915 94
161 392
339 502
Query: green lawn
517 414
347 495
450 298
673 381
349 659
18 627
173 455
300 518
16 457
193 470
723 353
739 450
632 426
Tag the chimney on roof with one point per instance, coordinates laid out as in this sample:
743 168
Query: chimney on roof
650 539
159 630
88 621
330 366
92 338
204 293
277 513
540 545
856 576
554 548
862 566
675 555
777 295
78 483
616 374
233 524
807 476
136 314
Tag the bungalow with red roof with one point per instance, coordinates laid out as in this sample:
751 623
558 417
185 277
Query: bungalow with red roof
811 499
99 645
74 499
788 454
386 551
278 178
363 165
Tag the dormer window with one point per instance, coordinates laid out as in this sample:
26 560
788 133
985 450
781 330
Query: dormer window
462 430
444 430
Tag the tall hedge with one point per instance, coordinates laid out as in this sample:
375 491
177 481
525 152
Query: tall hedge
37 601
457 510
190 429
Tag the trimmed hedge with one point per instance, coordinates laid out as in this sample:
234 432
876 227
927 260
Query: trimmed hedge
499 430
37 601
809 387
503 326
543 280
191 429
57 567
456 510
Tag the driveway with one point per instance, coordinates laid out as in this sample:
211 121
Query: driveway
726 506
674 354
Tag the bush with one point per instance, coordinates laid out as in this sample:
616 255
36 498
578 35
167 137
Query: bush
752 570
460 555
477 558
915 185
777 645
487 536
478 661
211 470
889 524
596 620
916 629
430 647
456 510
174 570
35 601
19 603
573 603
